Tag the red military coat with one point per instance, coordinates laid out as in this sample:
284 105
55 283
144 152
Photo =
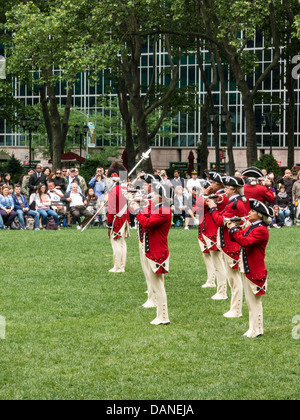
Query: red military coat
117 212
234 207
208 230
258 192
157 226
253 241
141 230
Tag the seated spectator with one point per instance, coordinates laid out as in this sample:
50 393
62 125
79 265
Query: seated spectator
32 197
76 204
22 208
24 185
7 179
70 178
7 207
93 204
74 181
296 198
47 172
282 200
43 203
10 189
59 181
56 195
82 182
277 221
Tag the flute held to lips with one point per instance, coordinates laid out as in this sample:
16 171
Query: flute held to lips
238 221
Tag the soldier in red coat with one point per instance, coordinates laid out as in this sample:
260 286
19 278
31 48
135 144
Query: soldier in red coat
230 250
148 179
208 231
254 241
199 209
255 191
117 220
157 225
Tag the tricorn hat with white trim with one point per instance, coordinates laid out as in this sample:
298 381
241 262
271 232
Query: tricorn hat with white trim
261 208
215 177
252 172
162 190
149 178
233 181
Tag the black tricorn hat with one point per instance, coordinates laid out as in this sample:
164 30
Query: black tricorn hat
252 172
233 181
162 190
261 207
149 178
206 184
216 177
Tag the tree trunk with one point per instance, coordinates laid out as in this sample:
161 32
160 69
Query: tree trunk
56 129
127 119
248 103
142 135
250 131
226 111
290 117
46 116
65 122
203 150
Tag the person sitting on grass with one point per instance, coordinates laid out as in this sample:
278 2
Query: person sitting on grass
277 221
43 203
282 200
7 207
22 208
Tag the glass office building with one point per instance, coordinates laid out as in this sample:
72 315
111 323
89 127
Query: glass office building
185 129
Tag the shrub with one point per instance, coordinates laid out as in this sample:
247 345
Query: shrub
14 168
269 163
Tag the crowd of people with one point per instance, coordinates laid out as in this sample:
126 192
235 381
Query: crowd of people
46 200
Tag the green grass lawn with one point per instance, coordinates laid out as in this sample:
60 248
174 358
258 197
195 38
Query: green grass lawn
75 331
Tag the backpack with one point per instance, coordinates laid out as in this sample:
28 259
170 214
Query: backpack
51 224
29 221
288 222
16 225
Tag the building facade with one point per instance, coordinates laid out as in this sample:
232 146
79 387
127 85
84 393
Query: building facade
174 142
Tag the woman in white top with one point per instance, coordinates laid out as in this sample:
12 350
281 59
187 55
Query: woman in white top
43 203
